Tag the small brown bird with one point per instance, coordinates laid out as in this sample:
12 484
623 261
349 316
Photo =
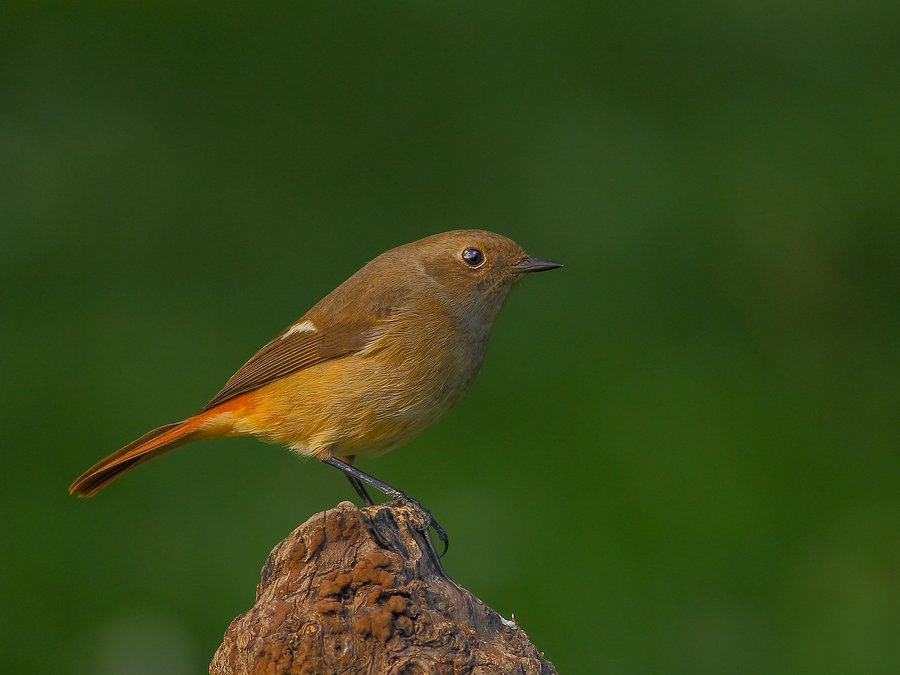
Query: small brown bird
372 365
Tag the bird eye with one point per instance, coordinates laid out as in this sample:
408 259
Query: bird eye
473 257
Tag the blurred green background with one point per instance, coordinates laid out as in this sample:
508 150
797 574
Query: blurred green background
682 453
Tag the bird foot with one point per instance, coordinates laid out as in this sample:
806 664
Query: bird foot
427 518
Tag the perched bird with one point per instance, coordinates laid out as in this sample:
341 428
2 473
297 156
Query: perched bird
372 365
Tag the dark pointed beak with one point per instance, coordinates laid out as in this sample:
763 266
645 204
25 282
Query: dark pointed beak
527 265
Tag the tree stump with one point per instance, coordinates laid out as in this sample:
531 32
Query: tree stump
363 591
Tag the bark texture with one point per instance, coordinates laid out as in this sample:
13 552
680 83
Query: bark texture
363 591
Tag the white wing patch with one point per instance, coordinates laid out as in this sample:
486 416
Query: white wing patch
302 327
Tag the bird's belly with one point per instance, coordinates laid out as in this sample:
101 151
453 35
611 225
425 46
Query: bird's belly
359 404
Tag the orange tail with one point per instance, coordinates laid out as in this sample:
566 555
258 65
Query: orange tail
150 445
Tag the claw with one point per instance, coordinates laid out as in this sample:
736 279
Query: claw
442 535
430 522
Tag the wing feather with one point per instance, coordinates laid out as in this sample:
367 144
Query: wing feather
294 350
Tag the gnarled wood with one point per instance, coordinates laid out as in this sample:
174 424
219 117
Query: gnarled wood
363 591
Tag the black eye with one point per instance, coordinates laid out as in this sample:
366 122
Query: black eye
473 257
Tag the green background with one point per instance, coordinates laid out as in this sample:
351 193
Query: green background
682 453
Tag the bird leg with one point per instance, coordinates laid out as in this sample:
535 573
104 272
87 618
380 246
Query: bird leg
358 477
357 483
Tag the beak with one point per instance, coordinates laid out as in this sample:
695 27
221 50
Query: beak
527 265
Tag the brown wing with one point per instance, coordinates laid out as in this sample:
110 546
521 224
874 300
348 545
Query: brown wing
294 350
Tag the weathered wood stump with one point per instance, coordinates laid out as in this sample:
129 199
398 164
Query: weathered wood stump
363 591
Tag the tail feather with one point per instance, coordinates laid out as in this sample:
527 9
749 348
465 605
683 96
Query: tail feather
150 445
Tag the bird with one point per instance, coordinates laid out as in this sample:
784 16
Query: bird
368 368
